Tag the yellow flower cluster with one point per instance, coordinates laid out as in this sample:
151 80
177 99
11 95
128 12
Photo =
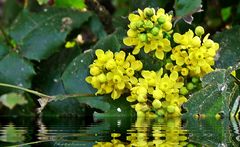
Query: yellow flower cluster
193 56
113 73
159 93
165 133
149 30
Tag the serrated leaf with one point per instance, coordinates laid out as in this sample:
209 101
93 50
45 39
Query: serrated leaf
15 70
10 100
76 4
229 47
39 35
216 96
49 82
75 74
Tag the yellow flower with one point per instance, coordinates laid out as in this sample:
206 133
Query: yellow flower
146 31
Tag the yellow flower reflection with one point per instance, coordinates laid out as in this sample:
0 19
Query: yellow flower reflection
160 132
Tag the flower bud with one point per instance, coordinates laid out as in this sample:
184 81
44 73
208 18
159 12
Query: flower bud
148 24
167 26
155 31
102 78
94 70
199 30
171 109
142 37
183 91
161 20
148 12
156 104
190 86
195 80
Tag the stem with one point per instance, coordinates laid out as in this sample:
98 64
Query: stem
25 4
27 90
5 35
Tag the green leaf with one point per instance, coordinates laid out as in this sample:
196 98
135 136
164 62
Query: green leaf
209 131
11 9
226 13
49 82
216 96
75 74
10 100
110 42
186 7
16 71
76 4
3 50
118 108
39 35
97 27
229 47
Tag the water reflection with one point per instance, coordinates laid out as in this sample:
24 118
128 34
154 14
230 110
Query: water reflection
118 131
152 132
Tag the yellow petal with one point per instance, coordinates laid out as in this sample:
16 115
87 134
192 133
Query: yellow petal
159 54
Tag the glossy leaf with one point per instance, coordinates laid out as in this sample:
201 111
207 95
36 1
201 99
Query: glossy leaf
209 131
186 7
229 47
76 72
39 35
15 70
216 96
10 100
13 135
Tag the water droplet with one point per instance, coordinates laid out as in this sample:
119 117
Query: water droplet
119 122
45 10
74 63
22 69
55 80
119 109
81 61
20 84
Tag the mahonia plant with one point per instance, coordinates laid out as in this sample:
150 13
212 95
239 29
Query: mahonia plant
187 57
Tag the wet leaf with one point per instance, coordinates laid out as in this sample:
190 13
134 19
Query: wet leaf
218 92
10 100
209 131
110 42
186 7
15 70
39 35
75 73
229 47
97 27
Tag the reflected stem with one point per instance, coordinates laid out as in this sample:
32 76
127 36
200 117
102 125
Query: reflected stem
35 142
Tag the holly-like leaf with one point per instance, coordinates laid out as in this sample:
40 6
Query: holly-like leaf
39 35
76 72
216 96
16 71
10 100
229 47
